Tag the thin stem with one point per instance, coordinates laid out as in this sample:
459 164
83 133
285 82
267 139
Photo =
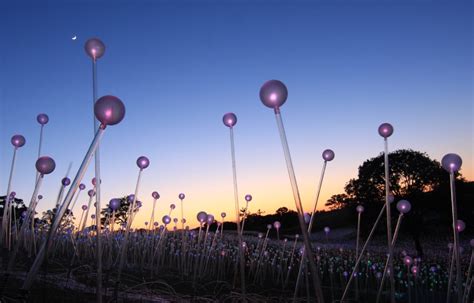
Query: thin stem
389 221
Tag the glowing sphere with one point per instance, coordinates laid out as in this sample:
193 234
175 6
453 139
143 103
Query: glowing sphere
82 186
175 220
94 181
269 226
155 224
223 215
130 198
403 206
84 207
172 206
210 219
327 229
45 165
460 225
201 216
166 219
143 162
42 119
155 195
109 110
451 163
307 218
391 198
91 192
92 216
181 196
18 141
360 208
229 119
248 197
408 260
273 94
94 48
114 204
277 224
328 155
183 220
40 197
260 235
65 181
385 130
414 270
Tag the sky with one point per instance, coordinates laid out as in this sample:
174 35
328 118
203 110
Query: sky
179 66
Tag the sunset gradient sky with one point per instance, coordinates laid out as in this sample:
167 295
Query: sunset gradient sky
180 65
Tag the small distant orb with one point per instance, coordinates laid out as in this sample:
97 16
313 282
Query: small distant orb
269 226
94 48
84 207
109 110
307 218
451 163
42 119
273 94
18 141
414 270
82 186
166 219
360 208
327 229
229 119
201 216
92 216
45 165
114 204
223 215
155 224
248 197
94 181
181 196
91 192
460 226
172 206
277 224
175 220
183 220
385 130
471 242
155 195
66 181
328 155
408 260
143 162
403 206
40 197
391 198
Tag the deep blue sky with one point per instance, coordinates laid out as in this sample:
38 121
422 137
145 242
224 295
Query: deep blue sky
180 65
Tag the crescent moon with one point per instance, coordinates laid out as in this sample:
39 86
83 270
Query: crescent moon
74 38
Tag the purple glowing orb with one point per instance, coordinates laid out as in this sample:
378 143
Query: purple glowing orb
18 141
155 195
65 181
403 206
248 197
181 196
82 186
143 162
42 119
385 130
451 163
201 216
45 165
328 155
229 119
109 110
273 94
114 204
94 48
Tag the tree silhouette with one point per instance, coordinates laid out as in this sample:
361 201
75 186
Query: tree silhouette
18 207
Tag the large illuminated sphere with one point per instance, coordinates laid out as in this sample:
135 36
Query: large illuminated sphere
201 216
248 198
385 130
360 208
155 195
114 204
109 110
45 165
143 162
229 119
273 94
403 206
94 48
328 155
42 119
181 196
65 181
166 219
18 141
210 219
451 163
277 224
460 225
